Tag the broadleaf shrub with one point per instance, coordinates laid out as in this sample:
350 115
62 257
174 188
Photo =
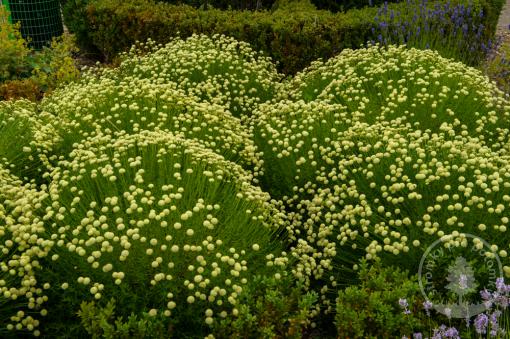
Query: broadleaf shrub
370 309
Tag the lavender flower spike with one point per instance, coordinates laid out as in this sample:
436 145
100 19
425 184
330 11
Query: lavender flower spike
427 305
481 323
500 285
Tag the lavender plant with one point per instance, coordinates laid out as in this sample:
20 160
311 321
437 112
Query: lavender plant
455 30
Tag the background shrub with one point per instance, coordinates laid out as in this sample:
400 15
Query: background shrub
271 308
344 5
226 4
293 35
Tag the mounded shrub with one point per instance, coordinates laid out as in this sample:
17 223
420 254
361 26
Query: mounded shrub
215 69
380 152
151 220
393 86
391 192
131 105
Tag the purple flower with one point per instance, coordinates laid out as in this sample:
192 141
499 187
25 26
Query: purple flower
494 322
444 332
502 301
481 323
417 335
452 333
486 295
404 304
500 285
427 305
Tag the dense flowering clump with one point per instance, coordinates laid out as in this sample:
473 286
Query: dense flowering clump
216 69
295 139
393 87
22 246
390 190
418 87
19 129
107 105
162 213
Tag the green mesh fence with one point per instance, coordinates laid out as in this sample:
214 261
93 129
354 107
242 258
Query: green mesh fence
41 20
6 5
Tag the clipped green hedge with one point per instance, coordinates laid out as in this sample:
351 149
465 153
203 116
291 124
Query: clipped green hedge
293 35
225 4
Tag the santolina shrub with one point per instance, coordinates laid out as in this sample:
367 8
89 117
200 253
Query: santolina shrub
391 86
215 69
21 134
152 220
392 192
130 105
143 213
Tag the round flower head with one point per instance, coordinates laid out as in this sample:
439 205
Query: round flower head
216 69
157 218
418 87
105 105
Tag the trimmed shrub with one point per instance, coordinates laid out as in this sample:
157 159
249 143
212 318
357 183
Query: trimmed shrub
151 220
293 35
392 86
226 4
344 5
218 70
